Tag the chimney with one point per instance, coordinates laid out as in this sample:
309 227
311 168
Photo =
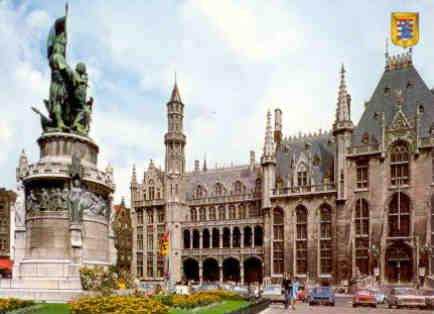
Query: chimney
196 165
277 126
252 160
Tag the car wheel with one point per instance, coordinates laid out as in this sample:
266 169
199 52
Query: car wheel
332 304
354 305
389 306
311 304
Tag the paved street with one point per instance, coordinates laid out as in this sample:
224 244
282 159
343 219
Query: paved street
343 306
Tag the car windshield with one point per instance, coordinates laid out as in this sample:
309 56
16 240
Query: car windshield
364 292
322 290
408 291
428 292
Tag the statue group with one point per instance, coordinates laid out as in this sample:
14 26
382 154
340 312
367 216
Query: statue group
68 108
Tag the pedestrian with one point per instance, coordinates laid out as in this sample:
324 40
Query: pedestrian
295 286
286 286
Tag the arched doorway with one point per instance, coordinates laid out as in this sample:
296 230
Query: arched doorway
231 269
191 269
210 270
399 263
253 270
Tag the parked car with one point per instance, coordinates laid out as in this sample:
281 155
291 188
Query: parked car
182 289
380 295
241 290
364 297
405 297
227 287
274 294
429 298
208 287
322 295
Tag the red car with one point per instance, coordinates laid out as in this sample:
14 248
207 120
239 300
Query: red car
364 297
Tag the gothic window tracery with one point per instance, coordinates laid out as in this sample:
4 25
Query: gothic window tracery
232 214
399 164
325 239
202 214
301 239
200 191
222 213
238 187
242 211
278 239
362 172
399 215
218 189
302 175
258 185
211 213
361 221
193 214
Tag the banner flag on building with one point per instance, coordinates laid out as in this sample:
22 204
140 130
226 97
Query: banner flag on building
404 28
165 244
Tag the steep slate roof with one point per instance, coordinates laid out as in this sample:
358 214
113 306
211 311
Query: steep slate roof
322 146
226 176
417 94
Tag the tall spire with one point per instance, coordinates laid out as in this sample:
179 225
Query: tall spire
269 143
343 103
134 176
204 164
175 92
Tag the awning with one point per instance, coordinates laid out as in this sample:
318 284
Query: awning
6 263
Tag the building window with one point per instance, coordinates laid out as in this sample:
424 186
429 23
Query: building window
139 265
218 189
362 235
187 239
193 214
150 265
278 239
140 216
232 214
202 214
279 183
222 214
151 193
160 266
258 185
242 211
325 239
161 215
399 164
161 231
238 187
211 213
150 240
399 216
253 210
150 216
302 175
200 191
362 175
139 238
301 239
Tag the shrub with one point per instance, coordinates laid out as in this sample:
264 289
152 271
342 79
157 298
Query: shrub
10 304
118 305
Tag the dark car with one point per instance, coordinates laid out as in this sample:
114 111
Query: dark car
322 295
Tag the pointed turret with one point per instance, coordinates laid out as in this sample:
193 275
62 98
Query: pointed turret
134 175
205 168
343 106
175 94
23 165
269 142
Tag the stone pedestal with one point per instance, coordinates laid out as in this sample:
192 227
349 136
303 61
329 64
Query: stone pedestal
67 211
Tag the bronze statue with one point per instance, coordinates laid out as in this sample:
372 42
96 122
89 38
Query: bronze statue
67 106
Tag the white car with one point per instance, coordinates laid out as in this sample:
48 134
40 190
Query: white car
405 297
273 293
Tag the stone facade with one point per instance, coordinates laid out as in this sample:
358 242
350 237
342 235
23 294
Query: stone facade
7 200
123 235
350 203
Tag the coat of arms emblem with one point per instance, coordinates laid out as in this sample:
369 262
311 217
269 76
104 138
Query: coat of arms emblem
404 28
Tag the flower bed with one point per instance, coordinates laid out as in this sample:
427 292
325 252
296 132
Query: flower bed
197 299
118 305
10 304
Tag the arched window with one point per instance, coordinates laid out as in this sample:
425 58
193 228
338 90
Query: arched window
301 239
226 237
236 237
222 212
232 214
278 239
258 185
193 214
247 236
238 187
200 191
151 190
215 238
399 216
196 239
399 164
258 236
211 213
218 189
361 221
186 239
253 210
205 239
202 213
279 183
301 175
242 211
325 239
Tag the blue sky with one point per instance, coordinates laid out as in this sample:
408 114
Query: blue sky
234 60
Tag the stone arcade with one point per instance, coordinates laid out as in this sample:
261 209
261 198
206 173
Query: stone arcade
64 201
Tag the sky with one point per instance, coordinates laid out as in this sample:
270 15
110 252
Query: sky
233 60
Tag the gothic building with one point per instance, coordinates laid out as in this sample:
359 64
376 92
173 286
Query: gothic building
123 235
333 205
